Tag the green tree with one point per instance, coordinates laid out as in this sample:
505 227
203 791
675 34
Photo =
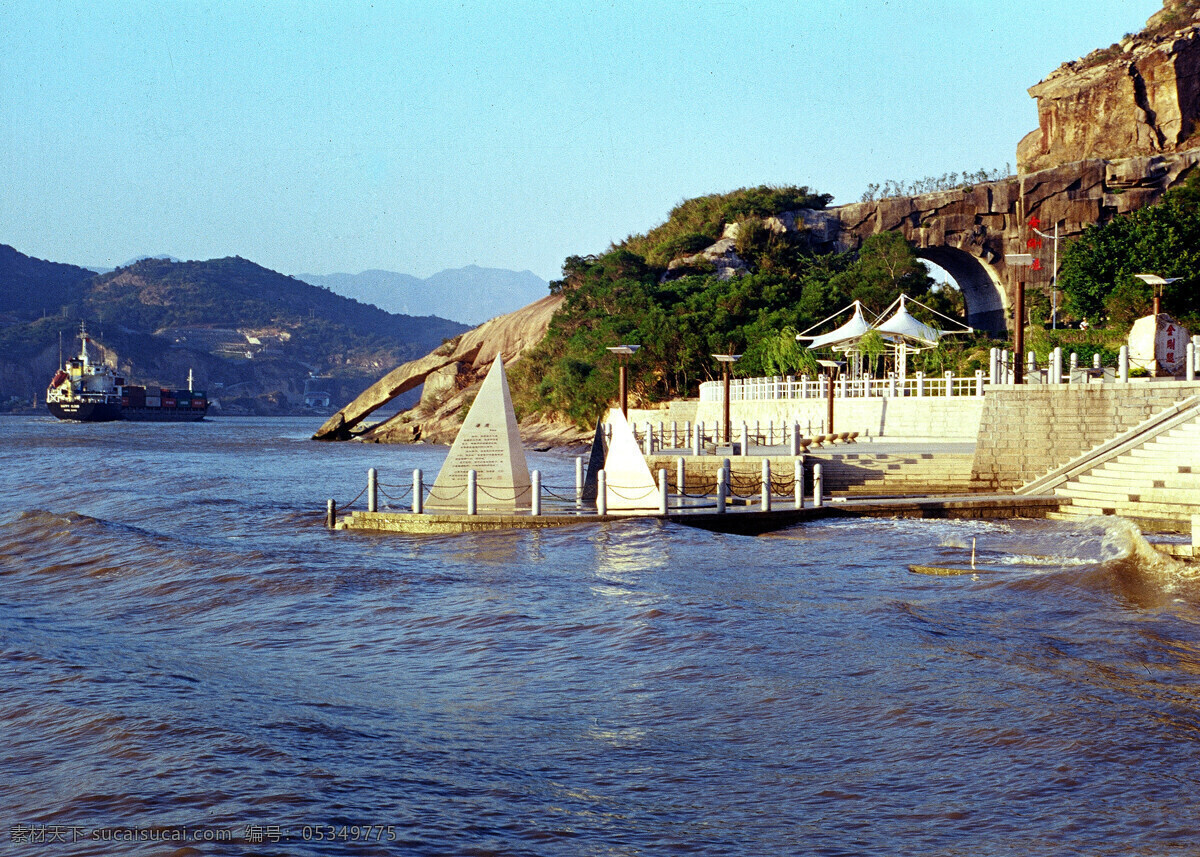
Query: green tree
1097 268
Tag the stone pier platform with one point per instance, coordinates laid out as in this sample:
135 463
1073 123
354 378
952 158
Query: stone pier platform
742 520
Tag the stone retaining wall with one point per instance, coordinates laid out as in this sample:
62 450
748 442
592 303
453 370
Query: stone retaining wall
1026 431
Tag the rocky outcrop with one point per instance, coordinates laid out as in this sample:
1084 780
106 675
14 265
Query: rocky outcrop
1140 97
451 388
407 376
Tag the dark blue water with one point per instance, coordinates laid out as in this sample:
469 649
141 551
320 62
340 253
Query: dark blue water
185 651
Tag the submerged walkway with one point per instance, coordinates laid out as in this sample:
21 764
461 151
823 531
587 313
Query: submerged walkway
740 519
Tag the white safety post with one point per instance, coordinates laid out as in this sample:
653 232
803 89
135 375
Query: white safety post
696 432
766 485
662 490
1123 364
722 475
579 482
818 485
949 383
745 439
472 495
648 440
921 375
798 479
795 438
536 487
418 501
680 476
602 493
372 490
1191 362
674 434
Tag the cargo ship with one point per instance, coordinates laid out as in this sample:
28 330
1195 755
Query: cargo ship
86 392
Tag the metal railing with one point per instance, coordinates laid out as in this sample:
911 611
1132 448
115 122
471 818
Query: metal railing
773 389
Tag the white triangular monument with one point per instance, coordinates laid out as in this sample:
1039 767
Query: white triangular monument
490 444
629 485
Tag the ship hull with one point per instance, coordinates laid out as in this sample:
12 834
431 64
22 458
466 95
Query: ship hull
163 415
86 412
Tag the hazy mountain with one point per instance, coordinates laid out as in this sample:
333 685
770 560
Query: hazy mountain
241 327
471 295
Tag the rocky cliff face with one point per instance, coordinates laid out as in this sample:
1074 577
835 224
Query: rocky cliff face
1138 97
448 392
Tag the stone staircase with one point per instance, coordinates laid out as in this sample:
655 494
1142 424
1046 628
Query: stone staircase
865 474
1149 474
1156 484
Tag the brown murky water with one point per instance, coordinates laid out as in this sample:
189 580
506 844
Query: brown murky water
185 654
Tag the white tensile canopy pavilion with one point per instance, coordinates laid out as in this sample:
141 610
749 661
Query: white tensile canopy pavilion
901 330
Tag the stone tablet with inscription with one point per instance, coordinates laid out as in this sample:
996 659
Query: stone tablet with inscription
1159 339
629 483
490 444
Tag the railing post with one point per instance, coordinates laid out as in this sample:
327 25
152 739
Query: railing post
818 485
602 493
536 487
697 432
1123 364
331 513
662 490
680 476
795 438
745 439
579 482
1191 362
798 482
949 383
978 382
472 492
418 501
372 490
921 382
766 485
722 475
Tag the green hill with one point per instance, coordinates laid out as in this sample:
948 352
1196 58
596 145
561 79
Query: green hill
240 326
659 291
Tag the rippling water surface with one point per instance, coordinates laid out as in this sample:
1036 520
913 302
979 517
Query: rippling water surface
183 647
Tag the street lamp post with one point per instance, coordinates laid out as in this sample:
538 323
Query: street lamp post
727 361
1020 261
624 352
1157 283
831 372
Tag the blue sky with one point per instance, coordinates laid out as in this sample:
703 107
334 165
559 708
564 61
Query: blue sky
326 137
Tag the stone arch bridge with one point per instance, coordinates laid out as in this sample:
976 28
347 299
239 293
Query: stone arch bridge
968 231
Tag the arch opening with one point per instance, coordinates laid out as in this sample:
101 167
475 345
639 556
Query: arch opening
979 283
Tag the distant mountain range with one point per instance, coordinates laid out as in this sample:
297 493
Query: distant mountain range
471 295
240 326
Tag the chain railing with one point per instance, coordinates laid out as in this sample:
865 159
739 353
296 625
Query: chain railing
705 491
